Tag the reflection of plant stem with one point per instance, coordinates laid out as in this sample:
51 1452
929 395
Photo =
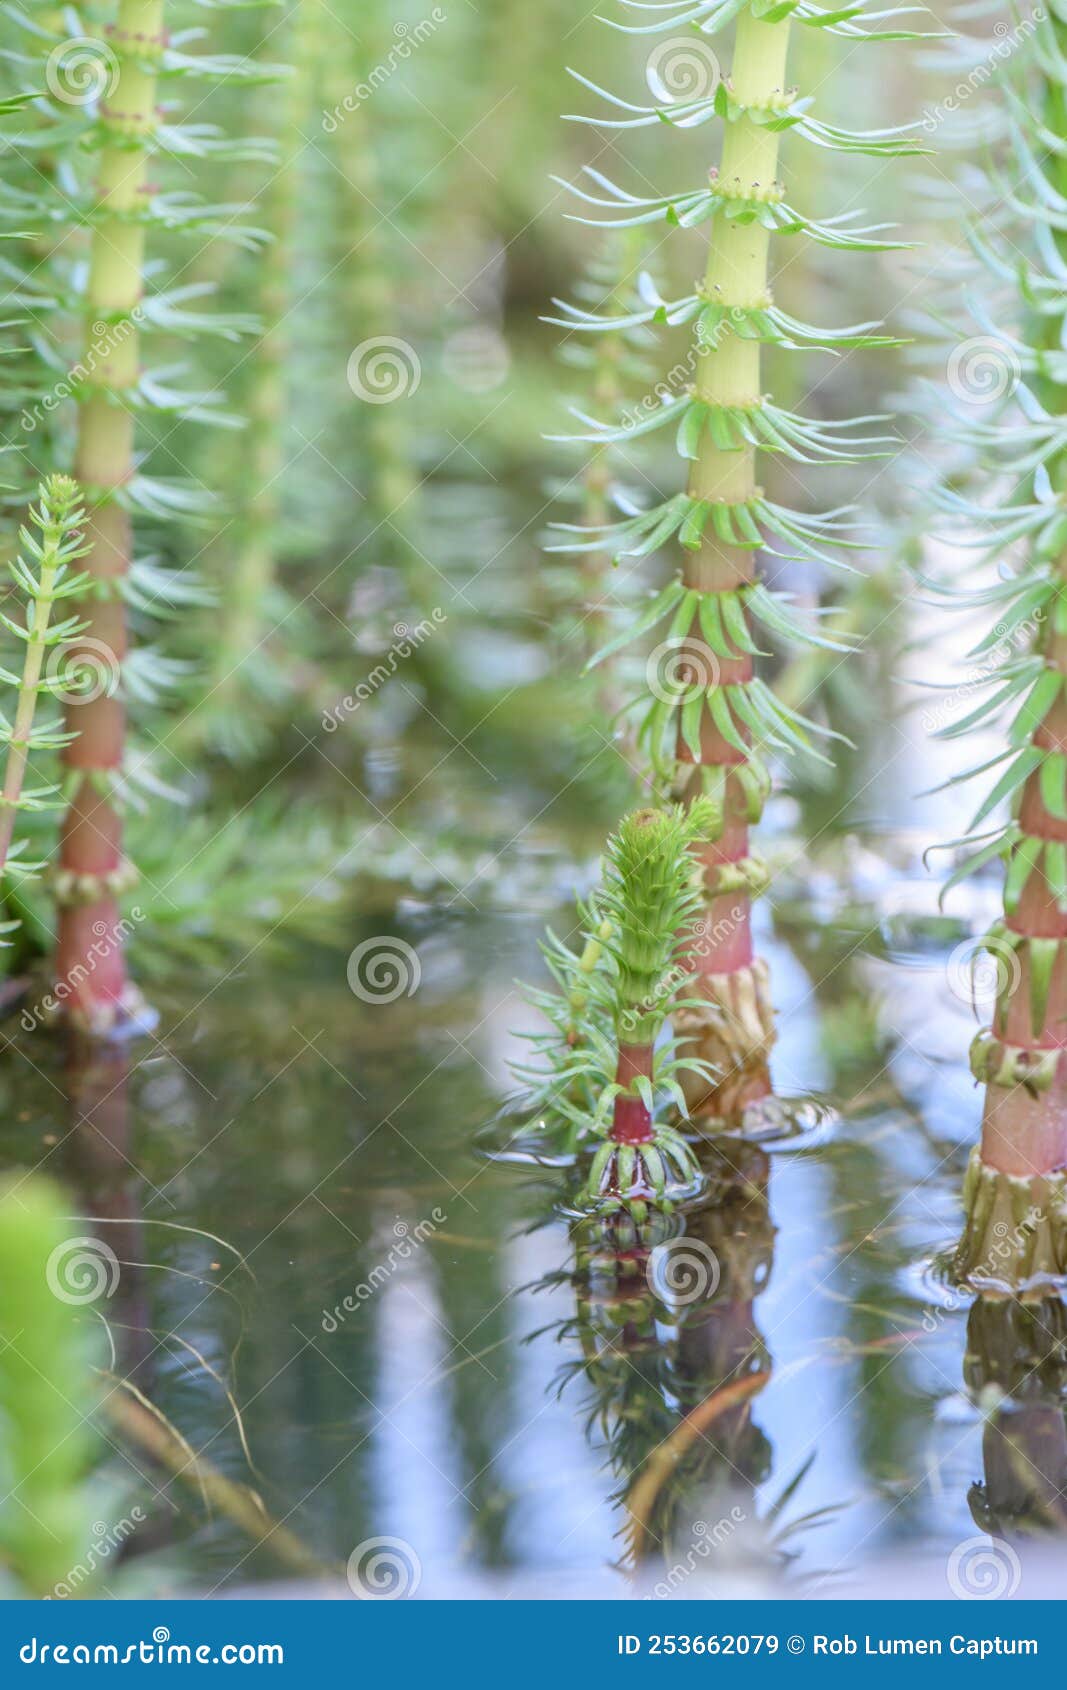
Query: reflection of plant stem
641 1497
144 1426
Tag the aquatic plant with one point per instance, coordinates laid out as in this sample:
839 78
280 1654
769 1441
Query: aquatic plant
43 577
47 1516
650 898
1003 491
712 721
102 113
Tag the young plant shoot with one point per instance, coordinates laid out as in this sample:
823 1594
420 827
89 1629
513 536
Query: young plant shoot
712 722
1016 1187
43 576
651 898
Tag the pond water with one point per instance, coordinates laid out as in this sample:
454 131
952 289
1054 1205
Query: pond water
307 1233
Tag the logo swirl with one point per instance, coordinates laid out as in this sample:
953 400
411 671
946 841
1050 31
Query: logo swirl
676 666
682 69
683 1270
983 369
382 969
81 1271
981 971
384 369
984 1569
383 1569
80 70
83 671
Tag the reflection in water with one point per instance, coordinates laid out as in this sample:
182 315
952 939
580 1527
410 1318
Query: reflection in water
100 1168
1016 1369
674 1361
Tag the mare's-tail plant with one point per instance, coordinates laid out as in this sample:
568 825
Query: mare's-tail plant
93 869
43 577
604 1070
104 122
48 1447
712 721
1012 512
651 899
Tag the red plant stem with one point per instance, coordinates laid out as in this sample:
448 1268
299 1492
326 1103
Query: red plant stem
1025 1132
632 1119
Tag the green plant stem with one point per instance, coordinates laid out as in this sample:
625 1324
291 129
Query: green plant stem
26 708
728 373
92 837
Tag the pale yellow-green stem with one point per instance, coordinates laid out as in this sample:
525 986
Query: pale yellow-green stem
733 1027
92 865
26 706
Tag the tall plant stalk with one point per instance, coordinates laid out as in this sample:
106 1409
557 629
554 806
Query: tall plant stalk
1016 1187
713 722
93 867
